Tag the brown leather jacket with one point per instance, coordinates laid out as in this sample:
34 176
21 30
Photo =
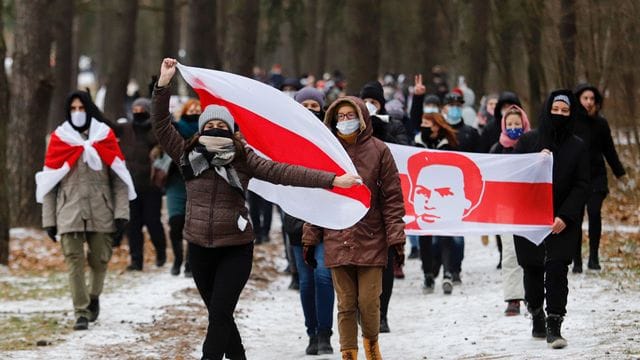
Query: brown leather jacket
216 215
366 243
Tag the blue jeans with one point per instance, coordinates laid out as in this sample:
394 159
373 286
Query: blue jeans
316 292
414 239
457 254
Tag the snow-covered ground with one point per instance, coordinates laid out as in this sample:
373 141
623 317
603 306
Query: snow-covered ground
603 318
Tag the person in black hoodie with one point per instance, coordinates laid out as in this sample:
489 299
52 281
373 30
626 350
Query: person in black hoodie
546 266
491 132
594 130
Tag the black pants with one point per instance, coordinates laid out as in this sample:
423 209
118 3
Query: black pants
176 226
145 211
220 275
594 208
442 250
426 255
387 284
261 212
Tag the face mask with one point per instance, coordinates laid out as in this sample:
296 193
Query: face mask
318 114
372 108
454 115
140 117
217 133
559 122
425 134
290 94
348 127
514 134
191 118
79 119
428 109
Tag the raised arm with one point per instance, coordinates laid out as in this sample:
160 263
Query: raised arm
168 137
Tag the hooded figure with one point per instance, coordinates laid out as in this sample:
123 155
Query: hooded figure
491 133
81 122
545 266
594 130
385 127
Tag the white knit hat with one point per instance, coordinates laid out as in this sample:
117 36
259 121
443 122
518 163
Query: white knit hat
215 112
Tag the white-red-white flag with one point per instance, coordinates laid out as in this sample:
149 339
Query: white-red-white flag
280 129
454 193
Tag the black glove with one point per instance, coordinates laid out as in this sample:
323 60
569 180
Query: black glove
399 254
121 225
309 255
52 231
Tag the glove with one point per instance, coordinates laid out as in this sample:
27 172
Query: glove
121 224
309 255
52 231
399 254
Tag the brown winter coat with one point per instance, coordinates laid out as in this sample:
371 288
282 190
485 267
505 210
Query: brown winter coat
86 200
366 243
215 210
136 142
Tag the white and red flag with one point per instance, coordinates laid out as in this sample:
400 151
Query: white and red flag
453 193
280 129
66 146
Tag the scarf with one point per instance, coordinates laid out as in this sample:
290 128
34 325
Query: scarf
505 140
212 151
66 146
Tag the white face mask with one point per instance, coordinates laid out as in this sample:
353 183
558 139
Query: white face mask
427 109
290 93
348 127
79 118
372 108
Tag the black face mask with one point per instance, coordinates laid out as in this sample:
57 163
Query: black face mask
217 133
559 122
140 117
191 118
425 134
318 114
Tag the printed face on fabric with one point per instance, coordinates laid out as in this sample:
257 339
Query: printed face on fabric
444 187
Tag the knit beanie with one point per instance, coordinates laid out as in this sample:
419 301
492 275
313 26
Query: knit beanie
144 103
215 112
309 93
432 100
373 90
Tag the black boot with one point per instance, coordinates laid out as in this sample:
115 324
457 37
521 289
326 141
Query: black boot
384 326
82 323
295 282
429 284
161 259
539 330
415 253
94 307
312 348
577 267
554 338
175 269
324 343
594 262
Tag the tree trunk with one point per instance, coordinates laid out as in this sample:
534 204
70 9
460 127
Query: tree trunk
31 86
170 30
64 64
533 44
567 31
431 35
312 25
362 42
294 12
242 34
505 28
202 48
120 60
4 177
477 61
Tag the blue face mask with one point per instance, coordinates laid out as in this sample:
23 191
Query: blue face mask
454 115
514 134
428 109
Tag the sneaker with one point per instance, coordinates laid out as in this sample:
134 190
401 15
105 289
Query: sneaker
415 253
94 308
513 308
428 285
455 277
447 286
384 326
82 323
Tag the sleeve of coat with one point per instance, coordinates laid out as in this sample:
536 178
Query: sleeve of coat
120 197
609 150
311 234
167 136
393 200
570 211
286 174
49 205
415 114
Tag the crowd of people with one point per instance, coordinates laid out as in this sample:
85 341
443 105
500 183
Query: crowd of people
198 158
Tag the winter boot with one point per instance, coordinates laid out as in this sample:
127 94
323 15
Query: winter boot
415 253
94 308
513 308
539 330
187 270
82 323
397 271
371 349
134 267
447 285
295 282
554 338
455 277
577 267
312 348
384 326
175 269
161 259
429 284
594 262
351 354
324 343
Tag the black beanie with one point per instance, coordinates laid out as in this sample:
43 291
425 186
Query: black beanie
374 91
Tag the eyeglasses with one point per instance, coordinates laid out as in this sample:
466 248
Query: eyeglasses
349 116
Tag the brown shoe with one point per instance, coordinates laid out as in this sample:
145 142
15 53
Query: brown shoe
513 308
397 271
371 349
351 354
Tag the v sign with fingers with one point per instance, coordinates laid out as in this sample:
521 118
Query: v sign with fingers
418 86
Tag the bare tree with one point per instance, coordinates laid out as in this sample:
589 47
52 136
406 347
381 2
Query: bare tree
202 45
242 34
567 31
478 59
31 86
532 31
170 29
124 14
294 12
63 70
4 119
504 30
362 47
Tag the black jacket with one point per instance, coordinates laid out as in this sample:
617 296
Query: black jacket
392 131
468 137
491 132
570 182
595 132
